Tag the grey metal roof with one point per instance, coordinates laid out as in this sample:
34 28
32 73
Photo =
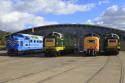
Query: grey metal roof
74 25
68 25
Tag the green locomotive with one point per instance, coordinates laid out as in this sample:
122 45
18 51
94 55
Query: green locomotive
112 44
58 44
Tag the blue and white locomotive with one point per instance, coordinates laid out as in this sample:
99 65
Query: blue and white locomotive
21 43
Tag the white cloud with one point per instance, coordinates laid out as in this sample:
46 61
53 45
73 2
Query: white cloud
103 2
114 17
16 21
112 9
16 14
89 21
51 6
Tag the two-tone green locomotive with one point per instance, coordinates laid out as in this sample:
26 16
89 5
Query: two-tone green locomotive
57 44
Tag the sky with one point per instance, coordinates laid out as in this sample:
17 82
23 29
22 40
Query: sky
16 15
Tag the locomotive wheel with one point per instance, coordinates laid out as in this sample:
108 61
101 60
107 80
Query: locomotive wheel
106 53
19 53
60 53
94 53
51 54
75 51
11 55
88 53
46 54
116 53
54 54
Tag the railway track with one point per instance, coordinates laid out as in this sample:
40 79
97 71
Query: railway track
102 69
96 73
72 67
69 67
49 73
70 70
11 60
121 80
5 60
40 78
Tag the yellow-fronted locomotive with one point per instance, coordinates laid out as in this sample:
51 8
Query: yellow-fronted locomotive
91 44
58 44
112 44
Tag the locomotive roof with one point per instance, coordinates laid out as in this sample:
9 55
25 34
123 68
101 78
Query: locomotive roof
55 34
92 34
112 35
29 36
32 36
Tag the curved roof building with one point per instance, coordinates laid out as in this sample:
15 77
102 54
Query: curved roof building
78 30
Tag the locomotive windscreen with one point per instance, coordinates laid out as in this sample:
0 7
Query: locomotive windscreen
91 41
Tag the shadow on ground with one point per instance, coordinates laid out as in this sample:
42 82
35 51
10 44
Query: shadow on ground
41 55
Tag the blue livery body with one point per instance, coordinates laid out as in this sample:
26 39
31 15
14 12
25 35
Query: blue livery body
16 43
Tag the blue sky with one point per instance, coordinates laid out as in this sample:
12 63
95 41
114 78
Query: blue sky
80 17
22 14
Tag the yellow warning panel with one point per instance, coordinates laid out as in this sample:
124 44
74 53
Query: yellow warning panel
112 43
49 42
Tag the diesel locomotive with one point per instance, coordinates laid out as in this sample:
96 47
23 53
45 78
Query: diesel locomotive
18 43
58 44
91 44
112 44
55 43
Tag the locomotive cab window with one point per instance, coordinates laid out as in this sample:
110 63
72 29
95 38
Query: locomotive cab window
112 41
91 41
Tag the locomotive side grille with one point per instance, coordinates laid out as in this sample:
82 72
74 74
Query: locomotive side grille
11 43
